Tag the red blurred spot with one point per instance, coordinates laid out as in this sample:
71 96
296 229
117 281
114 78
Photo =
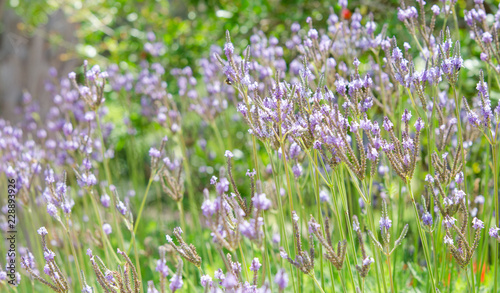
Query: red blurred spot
483 271
346 13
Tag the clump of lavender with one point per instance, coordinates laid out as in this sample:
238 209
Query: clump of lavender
451 60
246 207
92 90
232 280
447 166
462 251
403 154
485 33
188 252
304 260
385 246
281 279
385 225
58 282
56 196
487 120
336 258
124 279
448 205
335 133
223 217
171 178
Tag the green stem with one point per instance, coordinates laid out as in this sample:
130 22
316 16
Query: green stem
143 203
497 216
108 177
390 273
422 237
317 284
192 201
245 268
181 214
75 256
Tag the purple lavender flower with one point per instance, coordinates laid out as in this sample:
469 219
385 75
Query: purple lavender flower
121 207
261 202
162 268
448 221
176 282
419 125
236 267
368 260
427 219
228 154
106 228
372 154
206 280
385 222
387 124
477 224
323 196
297 170
397 54
459 178
313 34
276 238
42 231
222 186
255 266
48 255
448 240
487 37
494 232
229 50
281 279
154 153
230 282
406 116
109 276
435 9
105 200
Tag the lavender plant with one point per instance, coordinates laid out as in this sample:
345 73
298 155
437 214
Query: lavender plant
235 152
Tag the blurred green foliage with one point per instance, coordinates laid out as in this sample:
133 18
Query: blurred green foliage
115 31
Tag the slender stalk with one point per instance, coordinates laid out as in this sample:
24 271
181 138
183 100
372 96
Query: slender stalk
422 237
108 177
283 236
181 214
103 235
342 235
143 203
317 284
245 268
192 201
497 216
390 273
75 256
320 216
